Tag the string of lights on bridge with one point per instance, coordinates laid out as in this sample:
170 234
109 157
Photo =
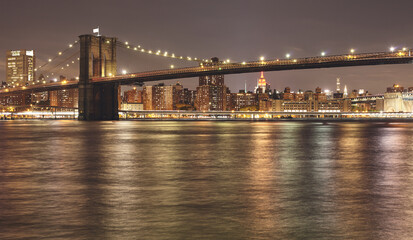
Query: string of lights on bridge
161 53
71 61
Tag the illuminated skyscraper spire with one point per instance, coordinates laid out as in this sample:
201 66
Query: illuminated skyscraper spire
261 81
345 91
338 85
262 84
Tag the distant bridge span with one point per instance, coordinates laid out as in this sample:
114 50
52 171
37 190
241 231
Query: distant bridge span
365 59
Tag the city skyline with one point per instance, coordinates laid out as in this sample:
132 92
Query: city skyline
251 37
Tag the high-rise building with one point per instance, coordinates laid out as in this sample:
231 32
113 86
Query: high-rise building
20 67
161 97
132 96
215 80
262 85
212 92
345 94
338 86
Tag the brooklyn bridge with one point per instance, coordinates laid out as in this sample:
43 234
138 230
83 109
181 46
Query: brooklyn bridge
99 83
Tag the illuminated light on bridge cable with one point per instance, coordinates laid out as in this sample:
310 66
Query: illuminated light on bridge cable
135 49
70 45
60 53
150 52
126 43
50 59
143 50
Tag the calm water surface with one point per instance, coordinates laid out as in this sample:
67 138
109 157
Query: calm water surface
205 180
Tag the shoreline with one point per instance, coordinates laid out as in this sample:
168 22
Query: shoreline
324 120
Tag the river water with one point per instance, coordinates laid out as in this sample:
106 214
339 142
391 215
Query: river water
205 180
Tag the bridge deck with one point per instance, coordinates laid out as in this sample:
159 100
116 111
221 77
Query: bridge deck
400 57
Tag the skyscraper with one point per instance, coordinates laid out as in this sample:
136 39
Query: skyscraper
20 67
262 85
212 92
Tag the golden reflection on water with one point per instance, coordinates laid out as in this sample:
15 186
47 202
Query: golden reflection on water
180 180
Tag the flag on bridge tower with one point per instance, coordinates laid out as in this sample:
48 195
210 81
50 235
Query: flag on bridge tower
96 30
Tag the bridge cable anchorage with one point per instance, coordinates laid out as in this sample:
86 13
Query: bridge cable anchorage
139 49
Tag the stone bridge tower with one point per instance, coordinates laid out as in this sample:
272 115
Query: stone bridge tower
97 101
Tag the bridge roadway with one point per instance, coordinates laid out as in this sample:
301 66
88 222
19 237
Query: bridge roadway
40 87
365 59
400 57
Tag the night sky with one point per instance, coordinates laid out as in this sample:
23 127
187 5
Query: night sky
236 30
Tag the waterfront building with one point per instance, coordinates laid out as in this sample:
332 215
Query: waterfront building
133 96
131 107
161 97
319 95
213 80
212 93
66 98
337 105
20 65
398 99
40 98
287 94
241 100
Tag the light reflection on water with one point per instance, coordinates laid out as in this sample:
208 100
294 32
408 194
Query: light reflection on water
205 180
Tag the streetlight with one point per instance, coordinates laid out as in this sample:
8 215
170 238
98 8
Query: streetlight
262 58
124 72
352 50
392 49
172 66
323 54
287 55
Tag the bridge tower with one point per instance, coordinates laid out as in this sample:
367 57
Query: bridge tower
97 101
